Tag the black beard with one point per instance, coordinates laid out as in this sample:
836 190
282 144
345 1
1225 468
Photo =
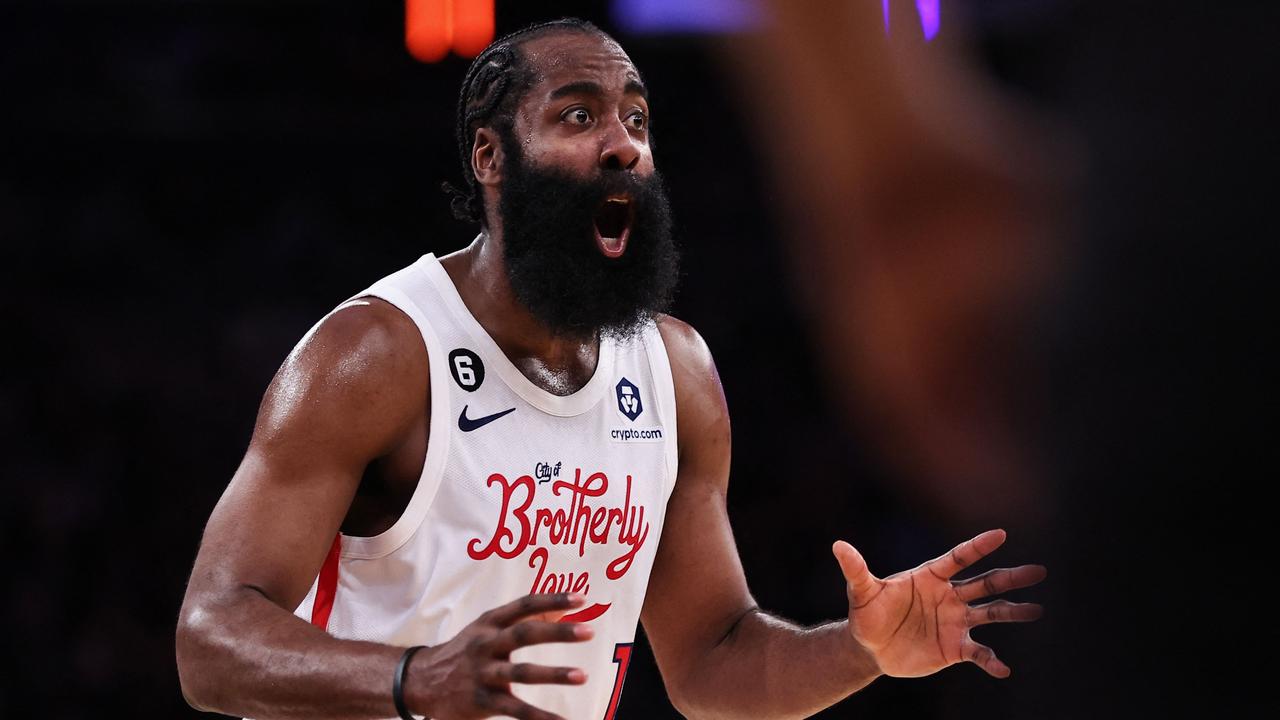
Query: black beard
554 266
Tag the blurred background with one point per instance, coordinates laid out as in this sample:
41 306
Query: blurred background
962 264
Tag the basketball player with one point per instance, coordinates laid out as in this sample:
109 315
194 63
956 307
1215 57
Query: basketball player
519 457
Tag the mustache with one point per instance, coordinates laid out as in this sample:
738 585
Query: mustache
598 185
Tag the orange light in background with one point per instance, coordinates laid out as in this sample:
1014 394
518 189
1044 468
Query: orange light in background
428 28
431 27
472 26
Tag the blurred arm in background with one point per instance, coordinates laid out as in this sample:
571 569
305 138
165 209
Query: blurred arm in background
921 206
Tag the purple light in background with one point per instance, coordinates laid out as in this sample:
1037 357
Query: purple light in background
930 17
650 16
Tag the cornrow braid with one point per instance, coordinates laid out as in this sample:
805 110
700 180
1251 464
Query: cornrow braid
487 99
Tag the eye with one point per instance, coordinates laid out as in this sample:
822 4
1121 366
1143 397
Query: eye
638 120
577 116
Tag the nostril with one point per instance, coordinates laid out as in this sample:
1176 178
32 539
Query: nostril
613 163
634 161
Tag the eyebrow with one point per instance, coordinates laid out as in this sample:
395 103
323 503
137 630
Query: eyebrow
635 87
588 87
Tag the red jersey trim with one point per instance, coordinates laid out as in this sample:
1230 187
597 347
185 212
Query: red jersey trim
327 586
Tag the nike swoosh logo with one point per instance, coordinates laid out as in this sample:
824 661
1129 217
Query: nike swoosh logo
466 424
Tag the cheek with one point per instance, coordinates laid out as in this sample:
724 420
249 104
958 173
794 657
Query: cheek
578 157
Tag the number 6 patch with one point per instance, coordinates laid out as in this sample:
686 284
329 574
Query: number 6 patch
466 368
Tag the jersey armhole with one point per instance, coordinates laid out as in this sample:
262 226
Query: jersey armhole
394 537
660 368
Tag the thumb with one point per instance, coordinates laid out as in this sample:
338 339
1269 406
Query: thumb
861 582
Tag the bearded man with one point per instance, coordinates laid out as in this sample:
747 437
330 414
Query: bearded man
468 483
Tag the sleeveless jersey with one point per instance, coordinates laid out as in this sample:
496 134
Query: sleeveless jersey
521 491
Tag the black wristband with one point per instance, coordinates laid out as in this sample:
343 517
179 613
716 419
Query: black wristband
397 683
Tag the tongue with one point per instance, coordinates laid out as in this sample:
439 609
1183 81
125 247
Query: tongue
612 247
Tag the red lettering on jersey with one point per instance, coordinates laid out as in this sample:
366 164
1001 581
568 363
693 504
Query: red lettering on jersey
502 532
555 582
578 524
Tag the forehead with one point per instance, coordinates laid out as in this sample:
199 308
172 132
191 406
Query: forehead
566 57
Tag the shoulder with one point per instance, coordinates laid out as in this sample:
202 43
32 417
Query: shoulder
687 351
701 409
362 364
367 341
370 328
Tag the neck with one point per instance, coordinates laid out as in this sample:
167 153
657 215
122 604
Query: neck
555 362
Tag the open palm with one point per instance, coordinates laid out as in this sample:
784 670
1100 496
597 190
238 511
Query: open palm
917 622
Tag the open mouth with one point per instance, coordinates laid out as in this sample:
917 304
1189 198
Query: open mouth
613 225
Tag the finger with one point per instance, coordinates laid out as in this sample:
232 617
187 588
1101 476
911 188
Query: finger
1002 611
966 554
531 605
998 581
862 583
504 703
553 616
536 633
501 674
985 658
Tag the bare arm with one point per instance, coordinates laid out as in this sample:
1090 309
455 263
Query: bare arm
721 656
353 390
329 411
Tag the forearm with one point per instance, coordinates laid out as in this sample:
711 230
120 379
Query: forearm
244 655
771 669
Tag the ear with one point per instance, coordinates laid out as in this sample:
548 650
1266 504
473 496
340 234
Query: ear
486 158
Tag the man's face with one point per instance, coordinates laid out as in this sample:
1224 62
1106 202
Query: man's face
585 221
587 108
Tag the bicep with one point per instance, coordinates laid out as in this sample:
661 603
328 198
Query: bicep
697 589
342 399
270 532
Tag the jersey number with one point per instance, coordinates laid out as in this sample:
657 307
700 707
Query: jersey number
462 364
466 368
622 658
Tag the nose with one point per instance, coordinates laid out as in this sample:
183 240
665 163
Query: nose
619 150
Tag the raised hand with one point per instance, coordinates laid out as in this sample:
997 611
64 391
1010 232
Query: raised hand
917 622
471 675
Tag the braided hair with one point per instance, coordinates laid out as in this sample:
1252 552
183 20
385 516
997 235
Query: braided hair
491 90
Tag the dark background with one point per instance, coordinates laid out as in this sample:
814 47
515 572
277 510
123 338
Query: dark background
185 187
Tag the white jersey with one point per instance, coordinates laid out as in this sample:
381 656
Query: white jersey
522 491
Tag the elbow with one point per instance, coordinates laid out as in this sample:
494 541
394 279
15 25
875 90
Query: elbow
681 702
696 687
683 695
693 710
192 651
